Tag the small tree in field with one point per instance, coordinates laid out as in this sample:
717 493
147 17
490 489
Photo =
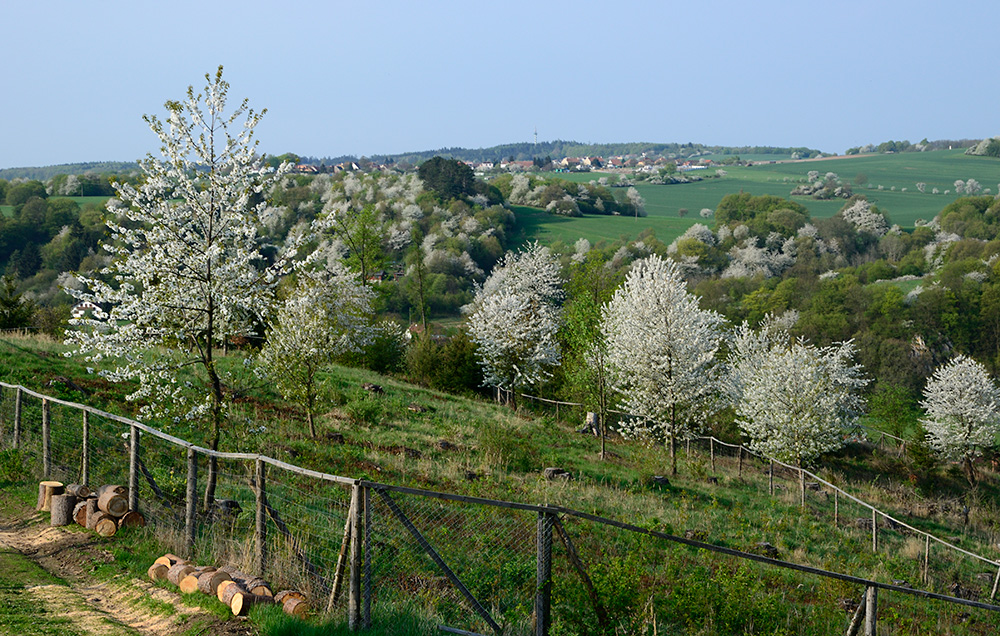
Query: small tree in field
326 315
661 350
794 400
963 412
515 318
188 267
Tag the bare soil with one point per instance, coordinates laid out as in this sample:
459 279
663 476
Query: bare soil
120 605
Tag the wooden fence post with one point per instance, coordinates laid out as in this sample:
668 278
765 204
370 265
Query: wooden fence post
740 473
46 439
17 418
770 477
85 460
711 451
874 531
192 501
871 611
354 582
836 508
543 589
366 609
927 558
802 487
557 412
133 468
1 416
996 584
260 533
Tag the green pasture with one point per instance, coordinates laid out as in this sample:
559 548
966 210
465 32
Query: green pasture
894 172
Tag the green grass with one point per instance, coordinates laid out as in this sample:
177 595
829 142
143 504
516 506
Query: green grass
506 452
938 169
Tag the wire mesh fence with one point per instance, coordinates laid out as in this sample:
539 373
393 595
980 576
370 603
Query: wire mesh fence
475 565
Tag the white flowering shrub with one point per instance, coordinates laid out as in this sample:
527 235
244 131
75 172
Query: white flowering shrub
326 315
962 405
514 319
794 400
661 352
864 219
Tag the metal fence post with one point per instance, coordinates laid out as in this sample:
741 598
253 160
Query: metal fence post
85 468
871 611
260 535
17 418
133 468
192 501
354 584
46 439
543 589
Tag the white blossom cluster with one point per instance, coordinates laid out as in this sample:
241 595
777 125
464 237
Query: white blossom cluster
864 219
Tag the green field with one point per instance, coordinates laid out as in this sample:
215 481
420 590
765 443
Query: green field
937 169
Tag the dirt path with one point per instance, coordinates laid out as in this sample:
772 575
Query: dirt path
72 601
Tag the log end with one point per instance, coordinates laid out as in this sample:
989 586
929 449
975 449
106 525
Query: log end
298 607
106 527
157 572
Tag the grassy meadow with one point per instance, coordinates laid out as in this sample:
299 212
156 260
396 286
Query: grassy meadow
413 436
894 172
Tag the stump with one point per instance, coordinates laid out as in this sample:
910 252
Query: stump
178 571
209 583
62 509
106 525
189 584
78 490
294 606
169 560
92 512
284 595
132 519
45 491
115 488
241 602
80 513
231 590
157 572
112 503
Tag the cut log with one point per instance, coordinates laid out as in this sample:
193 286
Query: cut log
257 586
115 488
107 526
78 490
157 572
220 590
169 560
45 491
80 513
294 606
112 503
62 510
132 519
243 601
189 584
92 512
230 591
209 582
284 595
178 571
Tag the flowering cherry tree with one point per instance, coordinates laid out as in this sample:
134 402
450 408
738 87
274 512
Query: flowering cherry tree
963 412
793 399
515 318
188 268
661 350
327 315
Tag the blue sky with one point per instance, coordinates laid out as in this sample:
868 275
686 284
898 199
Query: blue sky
386 77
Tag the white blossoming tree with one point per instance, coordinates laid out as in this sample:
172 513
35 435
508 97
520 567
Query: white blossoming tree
661 350
794 400
327 314
514 319
962 404
188 269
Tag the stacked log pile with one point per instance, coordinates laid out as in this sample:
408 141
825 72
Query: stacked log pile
236 589
104 511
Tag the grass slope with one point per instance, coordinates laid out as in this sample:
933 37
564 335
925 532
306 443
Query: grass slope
495 453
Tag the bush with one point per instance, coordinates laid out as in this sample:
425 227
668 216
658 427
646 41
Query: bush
363 408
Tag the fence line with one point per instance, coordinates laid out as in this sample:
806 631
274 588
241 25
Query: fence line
795 469
505 581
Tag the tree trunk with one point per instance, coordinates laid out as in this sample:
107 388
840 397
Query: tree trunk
46 490
673 454
310 404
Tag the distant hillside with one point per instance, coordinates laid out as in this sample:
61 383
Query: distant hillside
44 173
559 149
